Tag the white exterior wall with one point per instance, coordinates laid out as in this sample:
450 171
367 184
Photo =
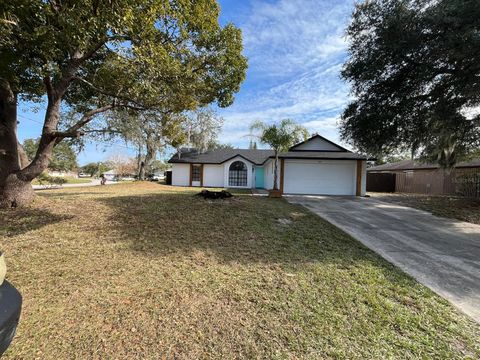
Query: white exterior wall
181 174
213 175
249 173
268 169
317 144
326 177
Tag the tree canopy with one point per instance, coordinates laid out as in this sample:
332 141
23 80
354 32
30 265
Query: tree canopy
280 136
91 57
414 72
95 168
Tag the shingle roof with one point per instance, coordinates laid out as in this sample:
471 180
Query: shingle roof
257 156
219 156
334 155
415 165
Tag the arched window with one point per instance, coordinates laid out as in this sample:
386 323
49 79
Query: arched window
237 174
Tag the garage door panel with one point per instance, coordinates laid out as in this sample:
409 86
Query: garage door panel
320 177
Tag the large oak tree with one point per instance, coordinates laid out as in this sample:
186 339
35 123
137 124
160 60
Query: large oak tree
89 57
415 74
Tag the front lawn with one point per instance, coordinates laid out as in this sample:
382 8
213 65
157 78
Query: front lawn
146 271
454 207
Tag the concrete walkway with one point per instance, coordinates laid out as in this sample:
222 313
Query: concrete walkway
440 253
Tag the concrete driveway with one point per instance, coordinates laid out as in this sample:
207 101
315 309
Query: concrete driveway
440 253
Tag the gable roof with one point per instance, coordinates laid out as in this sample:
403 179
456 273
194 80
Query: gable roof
415 165
219 156
322 155
316 136
260 156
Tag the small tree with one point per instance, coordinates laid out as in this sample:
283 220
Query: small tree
94 168
123 165
280 137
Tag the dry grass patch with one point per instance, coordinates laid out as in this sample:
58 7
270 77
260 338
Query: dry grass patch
141 271
454 207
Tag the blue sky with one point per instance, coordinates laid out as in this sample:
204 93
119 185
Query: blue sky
295 49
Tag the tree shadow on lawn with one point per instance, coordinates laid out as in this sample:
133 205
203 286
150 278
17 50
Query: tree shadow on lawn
22 220
58 194
241 230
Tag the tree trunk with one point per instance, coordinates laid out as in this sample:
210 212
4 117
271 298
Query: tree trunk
22 156
15 180
14 191
47 141
275 175
150 154
141 171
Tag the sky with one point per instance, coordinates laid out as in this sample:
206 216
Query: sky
295 51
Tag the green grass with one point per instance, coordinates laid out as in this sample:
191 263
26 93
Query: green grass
145 271
454 207
70 180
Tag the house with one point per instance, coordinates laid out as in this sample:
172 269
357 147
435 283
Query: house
111 175
56 173
315 166
411 176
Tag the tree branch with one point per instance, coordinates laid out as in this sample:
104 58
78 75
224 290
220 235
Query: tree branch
48 85
74 130
136 105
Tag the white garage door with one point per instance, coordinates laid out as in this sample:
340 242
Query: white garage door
328 177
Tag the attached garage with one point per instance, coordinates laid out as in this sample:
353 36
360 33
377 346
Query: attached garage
323 177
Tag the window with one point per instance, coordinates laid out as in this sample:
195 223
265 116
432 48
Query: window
196 172
237 174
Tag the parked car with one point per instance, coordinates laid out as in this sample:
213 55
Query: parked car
156 177
10 308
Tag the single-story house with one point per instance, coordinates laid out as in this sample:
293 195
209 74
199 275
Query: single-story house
56 173
412 176
110 175
315 166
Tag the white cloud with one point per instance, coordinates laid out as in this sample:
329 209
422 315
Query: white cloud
289 35
296 50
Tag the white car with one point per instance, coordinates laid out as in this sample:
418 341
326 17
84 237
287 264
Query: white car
157 177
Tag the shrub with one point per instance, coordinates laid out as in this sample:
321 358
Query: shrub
45 179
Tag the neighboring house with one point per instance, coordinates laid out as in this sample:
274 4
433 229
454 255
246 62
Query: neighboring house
110 175
315 166
56 173
415 177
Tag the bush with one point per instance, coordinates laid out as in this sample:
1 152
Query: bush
45 179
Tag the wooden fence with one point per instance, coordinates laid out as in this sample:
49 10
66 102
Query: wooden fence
461 182
381 182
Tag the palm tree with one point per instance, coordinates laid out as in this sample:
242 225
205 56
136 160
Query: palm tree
280 137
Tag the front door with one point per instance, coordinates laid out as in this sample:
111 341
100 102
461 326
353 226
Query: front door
259 178
196 175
